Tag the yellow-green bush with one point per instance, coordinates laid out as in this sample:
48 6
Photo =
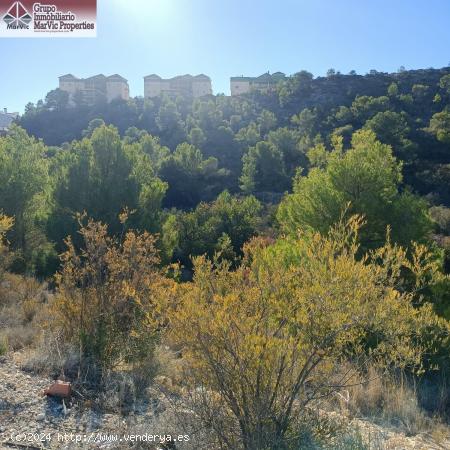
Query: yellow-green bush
105 297
265 341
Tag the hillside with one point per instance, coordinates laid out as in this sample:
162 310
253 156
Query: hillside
405 109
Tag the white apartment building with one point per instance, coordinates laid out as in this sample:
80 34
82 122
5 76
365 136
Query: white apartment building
263 83
96 88
186 85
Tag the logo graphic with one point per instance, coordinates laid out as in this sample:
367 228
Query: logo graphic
48 18
17 16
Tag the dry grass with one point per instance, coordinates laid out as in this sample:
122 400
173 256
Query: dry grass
392 401
122 390
3 345
21 310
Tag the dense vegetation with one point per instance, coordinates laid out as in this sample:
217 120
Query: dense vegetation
167 153
276 238
407 110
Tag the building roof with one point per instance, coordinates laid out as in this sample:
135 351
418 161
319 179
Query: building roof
242 78
182 77
264 78
96 77
116 77
153 76
69 76
202 77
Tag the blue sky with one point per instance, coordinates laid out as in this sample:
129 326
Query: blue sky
224 38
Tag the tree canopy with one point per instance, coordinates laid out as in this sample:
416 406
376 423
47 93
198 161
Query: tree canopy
363 180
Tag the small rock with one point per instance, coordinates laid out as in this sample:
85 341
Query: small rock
40 417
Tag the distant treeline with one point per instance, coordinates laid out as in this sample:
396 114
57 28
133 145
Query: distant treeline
407 109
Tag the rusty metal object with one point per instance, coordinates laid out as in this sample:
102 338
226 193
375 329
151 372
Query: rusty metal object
60 389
